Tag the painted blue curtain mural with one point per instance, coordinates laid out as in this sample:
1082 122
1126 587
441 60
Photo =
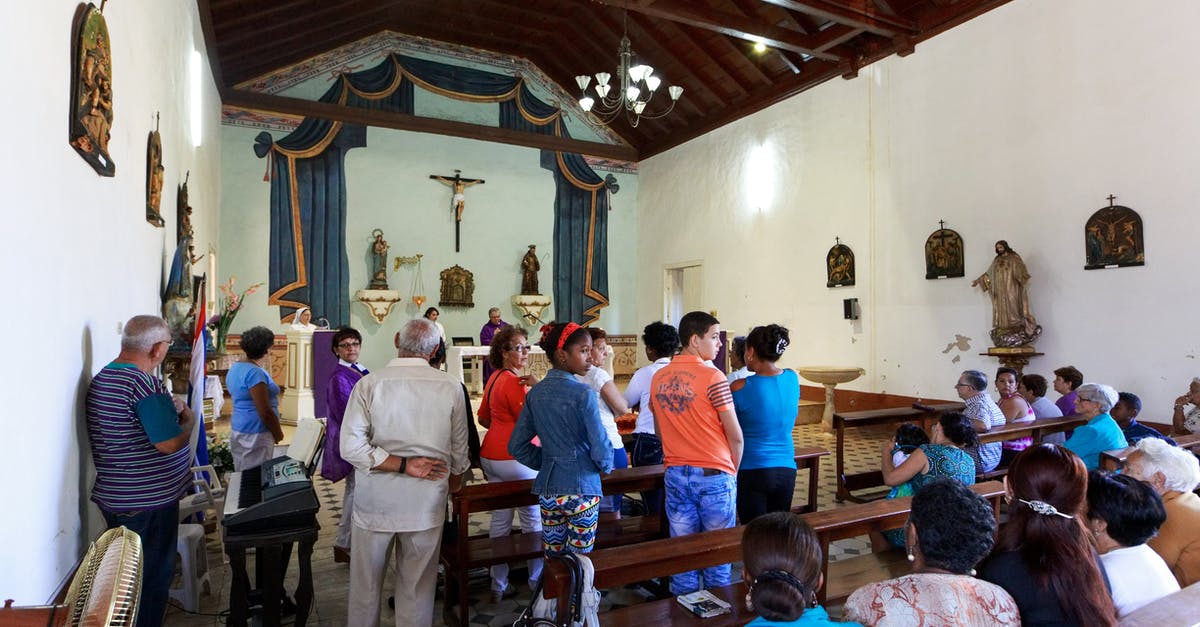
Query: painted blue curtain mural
308 262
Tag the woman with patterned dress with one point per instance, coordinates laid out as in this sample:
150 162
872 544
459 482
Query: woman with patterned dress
949 530
942 457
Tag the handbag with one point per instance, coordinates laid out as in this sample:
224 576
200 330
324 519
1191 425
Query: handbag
584 598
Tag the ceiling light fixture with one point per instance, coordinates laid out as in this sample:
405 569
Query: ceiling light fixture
636 86
760 47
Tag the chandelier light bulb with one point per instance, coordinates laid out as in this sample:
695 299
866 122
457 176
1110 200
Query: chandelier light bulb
583 81
653 82
602 78
676 91
637 72
602 90
586 103
638 107
632 92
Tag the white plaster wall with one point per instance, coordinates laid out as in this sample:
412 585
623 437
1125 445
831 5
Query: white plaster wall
388 187
78 256
1014 126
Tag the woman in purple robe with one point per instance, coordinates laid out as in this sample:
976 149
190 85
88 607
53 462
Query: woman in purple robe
346 344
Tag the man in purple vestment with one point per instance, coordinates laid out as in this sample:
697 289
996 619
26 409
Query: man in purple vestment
486 334
346 345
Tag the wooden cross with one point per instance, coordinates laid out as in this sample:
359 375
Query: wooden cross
941 225
838 241
1111 198
458 201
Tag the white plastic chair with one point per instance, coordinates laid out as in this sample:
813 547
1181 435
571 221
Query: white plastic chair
193 567
209 496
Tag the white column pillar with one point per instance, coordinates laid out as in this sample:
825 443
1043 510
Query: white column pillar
297 402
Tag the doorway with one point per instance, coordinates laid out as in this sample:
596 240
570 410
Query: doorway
682 290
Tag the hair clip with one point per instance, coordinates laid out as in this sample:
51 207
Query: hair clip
781 345
1044 508
780 575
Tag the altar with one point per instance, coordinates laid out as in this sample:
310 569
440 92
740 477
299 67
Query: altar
538 364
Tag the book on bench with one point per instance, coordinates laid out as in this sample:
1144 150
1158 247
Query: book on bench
704 604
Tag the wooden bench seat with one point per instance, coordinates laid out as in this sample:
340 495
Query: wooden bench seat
621 566
1179 608
462 552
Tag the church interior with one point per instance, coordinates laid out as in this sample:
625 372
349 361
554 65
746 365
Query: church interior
796 179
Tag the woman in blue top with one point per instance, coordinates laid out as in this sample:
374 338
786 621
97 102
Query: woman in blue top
255 397
575 450
766 405
942 457
781 565
1101 433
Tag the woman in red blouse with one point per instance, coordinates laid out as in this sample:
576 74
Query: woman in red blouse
503 398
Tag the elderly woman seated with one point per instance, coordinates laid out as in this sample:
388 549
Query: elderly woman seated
949 530
1101 433
1173 473
1186 418
1123 513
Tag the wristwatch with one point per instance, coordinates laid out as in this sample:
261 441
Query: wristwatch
403 464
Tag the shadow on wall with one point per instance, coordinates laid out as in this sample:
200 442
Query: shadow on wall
90 522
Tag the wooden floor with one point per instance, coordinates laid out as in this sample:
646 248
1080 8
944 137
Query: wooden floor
331 580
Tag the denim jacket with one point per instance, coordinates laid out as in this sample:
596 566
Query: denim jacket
575 450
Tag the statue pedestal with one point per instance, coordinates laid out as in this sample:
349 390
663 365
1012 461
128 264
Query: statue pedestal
1015 357
379 302
297 401
532 306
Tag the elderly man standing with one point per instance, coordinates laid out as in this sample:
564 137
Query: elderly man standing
1173 473
404 431
139 437
984 414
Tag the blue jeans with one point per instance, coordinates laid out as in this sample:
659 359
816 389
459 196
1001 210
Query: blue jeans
698 502
647 451
159 530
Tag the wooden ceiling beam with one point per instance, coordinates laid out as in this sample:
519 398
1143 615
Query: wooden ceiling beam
306 42
836 35
249 31
731 24
729 48
210 42
248 67
753 9
253 10
699 54
388 119
871 21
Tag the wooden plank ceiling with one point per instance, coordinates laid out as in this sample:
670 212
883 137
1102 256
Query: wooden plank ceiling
706 46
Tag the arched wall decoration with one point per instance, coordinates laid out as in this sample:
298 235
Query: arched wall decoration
308 261
944 254
1113 238
839 264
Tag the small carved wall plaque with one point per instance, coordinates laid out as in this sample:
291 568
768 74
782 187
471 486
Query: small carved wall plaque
944 254
1113 238
458 287
840 264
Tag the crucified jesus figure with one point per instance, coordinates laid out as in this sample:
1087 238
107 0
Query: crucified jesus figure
459 200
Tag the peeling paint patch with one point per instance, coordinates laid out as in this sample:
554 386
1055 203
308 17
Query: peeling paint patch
961 342
853 340
882 377
957 358
1190 356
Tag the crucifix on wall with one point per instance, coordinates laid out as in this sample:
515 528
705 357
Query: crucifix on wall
459 200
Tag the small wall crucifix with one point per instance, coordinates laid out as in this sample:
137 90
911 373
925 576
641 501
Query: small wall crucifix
459 200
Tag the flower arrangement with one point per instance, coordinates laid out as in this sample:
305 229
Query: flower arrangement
230 304
219 454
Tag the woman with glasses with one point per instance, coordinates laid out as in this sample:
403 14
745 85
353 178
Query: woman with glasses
503 398
1101 433
347 343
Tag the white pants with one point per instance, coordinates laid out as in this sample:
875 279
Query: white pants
416 575
250 449
531 517
345 525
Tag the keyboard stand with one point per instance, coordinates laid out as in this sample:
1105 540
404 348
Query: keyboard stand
271 549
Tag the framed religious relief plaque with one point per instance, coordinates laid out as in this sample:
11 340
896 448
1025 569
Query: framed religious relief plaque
839 264
943 254
458 287
1113 238
91 90
154 178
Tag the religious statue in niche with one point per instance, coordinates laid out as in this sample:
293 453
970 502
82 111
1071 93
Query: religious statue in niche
458 202
529 272
1113 238
1005 281
458 287
154 177
91 89
379 250
840 264
943 254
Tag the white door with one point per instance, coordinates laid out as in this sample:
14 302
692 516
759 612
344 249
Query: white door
682 291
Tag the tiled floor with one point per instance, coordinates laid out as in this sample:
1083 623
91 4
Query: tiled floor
331 580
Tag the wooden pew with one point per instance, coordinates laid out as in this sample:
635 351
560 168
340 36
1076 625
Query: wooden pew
620 566
923 414
462 552
1179 608
1036 429
1115 459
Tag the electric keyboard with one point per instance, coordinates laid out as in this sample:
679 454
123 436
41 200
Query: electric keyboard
275 495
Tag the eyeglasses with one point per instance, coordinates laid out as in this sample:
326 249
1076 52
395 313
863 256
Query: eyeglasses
349 344
524 348
962 385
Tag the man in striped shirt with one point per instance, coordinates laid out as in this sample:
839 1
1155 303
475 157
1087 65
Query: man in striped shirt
701 440
139 438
